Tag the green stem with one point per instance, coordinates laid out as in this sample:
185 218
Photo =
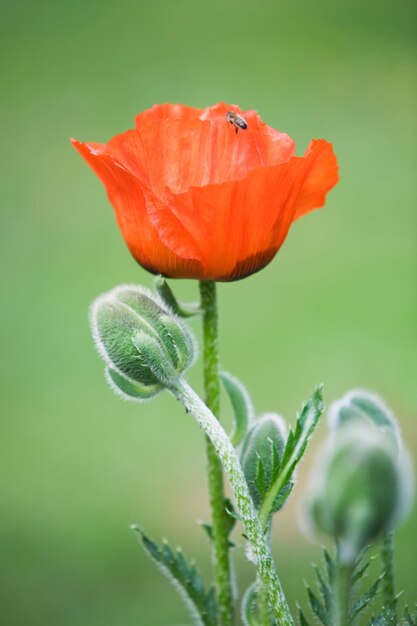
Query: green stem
388 581
342 593
264 610
254 532
220 539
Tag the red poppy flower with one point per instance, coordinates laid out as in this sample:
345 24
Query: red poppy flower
194 198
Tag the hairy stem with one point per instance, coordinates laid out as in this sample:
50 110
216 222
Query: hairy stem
220 539
388 581
342 593
255 533
264 610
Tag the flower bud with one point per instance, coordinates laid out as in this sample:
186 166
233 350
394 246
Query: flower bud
359 489
261 455
145 346
363 406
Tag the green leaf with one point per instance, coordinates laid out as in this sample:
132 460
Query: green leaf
387 617
306 422
260 478
208 528
364 600
283 496
260 457
185 578
302 618
330 567
211 602
230 523
323 608
241 404
294 449
358 574
165 292
230 519
324 590
410 617
379 620
318 609
248 608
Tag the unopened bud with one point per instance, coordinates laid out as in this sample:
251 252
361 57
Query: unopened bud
261 456
359 406
359 489
145 346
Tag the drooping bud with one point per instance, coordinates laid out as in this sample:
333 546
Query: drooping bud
359 488
261 457
145 346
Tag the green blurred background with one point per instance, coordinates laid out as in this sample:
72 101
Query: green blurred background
338 304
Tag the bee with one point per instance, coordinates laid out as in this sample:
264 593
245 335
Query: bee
236 120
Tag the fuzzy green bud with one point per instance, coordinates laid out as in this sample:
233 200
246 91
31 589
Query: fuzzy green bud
145 346
261 455
359 489
360 406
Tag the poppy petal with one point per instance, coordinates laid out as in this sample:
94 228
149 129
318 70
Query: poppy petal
130 201
166 111
179 154
265 200
199 197
322 176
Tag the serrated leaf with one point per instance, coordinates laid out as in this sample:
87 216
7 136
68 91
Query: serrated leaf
324 590
248 607
295 446
208 528
318 608
185 578
358 574
283 496
302 618
360 557
330 567
306 422
276 461
364 600
241 404
379 620
322 608
260 478
230 518
410 618
387 617
211 601
264 442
